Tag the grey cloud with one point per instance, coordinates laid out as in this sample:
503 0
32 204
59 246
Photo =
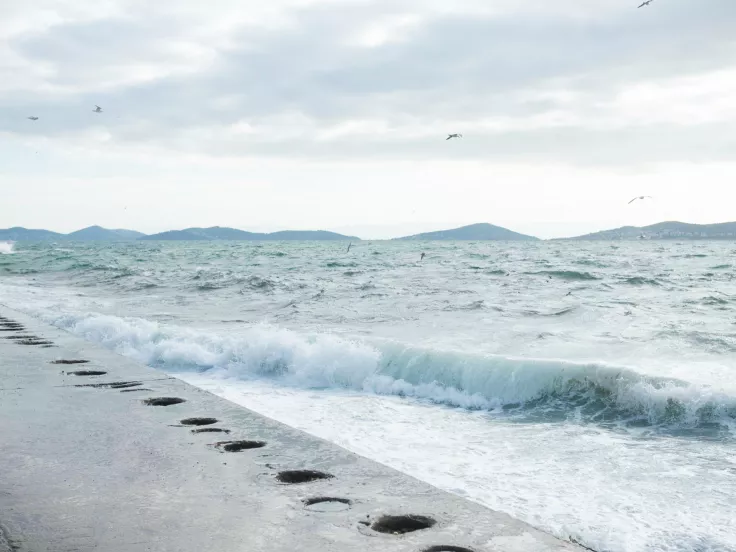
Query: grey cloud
449 68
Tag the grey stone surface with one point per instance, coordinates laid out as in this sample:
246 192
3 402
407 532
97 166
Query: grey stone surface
94 468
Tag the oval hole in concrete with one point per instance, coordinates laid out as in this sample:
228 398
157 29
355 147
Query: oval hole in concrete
293 477
70 362
447 548
199 421
327 504
237 446
163 401
87 373
398 525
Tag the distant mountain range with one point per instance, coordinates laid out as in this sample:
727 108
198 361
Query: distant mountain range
97 233
474 232
220 233
92 233
671 230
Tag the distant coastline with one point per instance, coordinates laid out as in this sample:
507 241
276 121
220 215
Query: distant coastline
670 230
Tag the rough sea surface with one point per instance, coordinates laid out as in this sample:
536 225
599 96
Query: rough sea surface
586 388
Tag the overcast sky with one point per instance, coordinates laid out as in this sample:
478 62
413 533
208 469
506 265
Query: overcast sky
332 114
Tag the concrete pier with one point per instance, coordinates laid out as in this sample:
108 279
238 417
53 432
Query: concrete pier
89 462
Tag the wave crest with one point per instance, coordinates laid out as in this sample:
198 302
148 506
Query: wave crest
541 389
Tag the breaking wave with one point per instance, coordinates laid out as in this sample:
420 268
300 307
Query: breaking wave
540 389
6 248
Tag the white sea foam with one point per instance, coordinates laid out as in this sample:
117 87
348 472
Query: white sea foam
6 248
451 378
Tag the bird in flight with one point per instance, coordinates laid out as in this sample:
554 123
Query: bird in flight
349 246
451 136
646 3
97 109
422 257
639 197
33 118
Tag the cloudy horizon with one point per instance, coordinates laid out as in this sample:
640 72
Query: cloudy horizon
333 115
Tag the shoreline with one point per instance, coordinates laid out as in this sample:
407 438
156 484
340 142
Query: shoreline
89 465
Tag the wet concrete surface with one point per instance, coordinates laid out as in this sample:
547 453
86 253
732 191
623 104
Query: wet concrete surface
91 468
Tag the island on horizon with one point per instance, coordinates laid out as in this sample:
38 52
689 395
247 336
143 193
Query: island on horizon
669 230
473 232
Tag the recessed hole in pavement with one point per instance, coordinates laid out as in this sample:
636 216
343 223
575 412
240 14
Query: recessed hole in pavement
302 476
447 548
33 342
30 337
12 329
199 421
69 361
135 390
327 504
87 373
111 384
210 430
163 401
398 525
237 446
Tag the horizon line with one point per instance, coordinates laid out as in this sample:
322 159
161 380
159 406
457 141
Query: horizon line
346 236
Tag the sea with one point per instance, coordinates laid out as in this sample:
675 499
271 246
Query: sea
587 388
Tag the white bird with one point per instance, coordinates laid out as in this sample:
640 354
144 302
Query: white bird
646 3
639 197
97 109
33 118
451 136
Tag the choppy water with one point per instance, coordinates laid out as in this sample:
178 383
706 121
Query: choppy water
587 388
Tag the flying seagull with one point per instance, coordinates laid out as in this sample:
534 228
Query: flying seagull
646 3
639 197
451 136
97 109
33 118
349 246
422 257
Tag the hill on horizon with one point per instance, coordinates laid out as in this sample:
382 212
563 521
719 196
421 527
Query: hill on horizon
91 233
98 233
18 233
669 230
224 233
474 232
